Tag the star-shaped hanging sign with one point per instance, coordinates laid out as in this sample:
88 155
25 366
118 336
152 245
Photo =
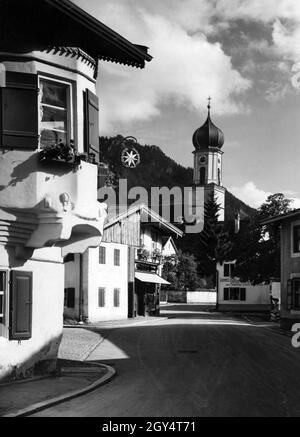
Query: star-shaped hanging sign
130 158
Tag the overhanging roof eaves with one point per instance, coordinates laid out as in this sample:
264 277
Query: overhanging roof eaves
144 209
280 218
130 54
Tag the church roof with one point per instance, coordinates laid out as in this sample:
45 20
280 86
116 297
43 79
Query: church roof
28 25
208 135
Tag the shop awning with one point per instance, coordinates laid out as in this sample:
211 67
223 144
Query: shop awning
153 278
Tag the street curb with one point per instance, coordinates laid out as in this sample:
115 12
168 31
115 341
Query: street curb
137 323
278 331
35 408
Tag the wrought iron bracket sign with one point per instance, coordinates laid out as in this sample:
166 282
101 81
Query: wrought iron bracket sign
130 157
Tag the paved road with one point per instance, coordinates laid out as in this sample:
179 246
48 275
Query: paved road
194 364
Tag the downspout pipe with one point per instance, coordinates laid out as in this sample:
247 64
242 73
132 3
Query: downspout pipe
81 296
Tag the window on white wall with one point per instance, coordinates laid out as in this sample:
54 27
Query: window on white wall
116 297
101 297
102 255
56 124
117 257
228 270
235 293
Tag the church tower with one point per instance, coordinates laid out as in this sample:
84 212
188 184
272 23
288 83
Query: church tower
208 141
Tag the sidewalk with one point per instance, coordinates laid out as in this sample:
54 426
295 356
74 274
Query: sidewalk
75 376
137 321
73 379
78 342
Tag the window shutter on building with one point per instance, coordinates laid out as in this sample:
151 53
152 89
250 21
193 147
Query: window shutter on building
21 306
101 297
289 294
91 124
116 297
19 111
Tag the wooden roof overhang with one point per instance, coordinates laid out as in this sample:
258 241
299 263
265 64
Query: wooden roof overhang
29 25
280 218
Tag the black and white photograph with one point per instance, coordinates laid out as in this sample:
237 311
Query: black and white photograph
149 211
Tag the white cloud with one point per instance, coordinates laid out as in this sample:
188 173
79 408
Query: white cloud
185 69
186 66
287 40
250 194
253 196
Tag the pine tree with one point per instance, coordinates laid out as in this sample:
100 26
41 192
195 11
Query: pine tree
214 243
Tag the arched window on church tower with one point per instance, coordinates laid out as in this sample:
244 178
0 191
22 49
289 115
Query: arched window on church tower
202 175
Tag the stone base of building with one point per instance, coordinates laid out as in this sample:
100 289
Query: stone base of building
244 308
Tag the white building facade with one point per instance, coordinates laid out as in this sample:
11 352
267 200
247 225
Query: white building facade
49 151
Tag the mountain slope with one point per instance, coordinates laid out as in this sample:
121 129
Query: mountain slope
157 170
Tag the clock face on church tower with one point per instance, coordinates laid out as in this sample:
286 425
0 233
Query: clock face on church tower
202 159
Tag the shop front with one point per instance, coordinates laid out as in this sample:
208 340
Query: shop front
147 288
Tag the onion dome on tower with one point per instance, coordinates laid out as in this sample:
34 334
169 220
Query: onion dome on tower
208 135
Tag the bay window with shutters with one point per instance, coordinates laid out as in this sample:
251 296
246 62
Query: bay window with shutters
40 111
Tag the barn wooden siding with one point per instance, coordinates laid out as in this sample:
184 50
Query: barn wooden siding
125 231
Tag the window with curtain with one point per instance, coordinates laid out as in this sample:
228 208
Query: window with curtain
55 112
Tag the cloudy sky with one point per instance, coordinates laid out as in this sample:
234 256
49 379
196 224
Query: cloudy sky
245 54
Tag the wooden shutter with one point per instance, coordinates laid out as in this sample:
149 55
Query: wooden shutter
226 293
91 124
19 111
289 294
21 306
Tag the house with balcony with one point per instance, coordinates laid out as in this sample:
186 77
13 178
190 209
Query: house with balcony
49 154
122 278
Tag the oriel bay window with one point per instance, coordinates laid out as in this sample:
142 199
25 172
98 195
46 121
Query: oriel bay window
56 115
39 111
